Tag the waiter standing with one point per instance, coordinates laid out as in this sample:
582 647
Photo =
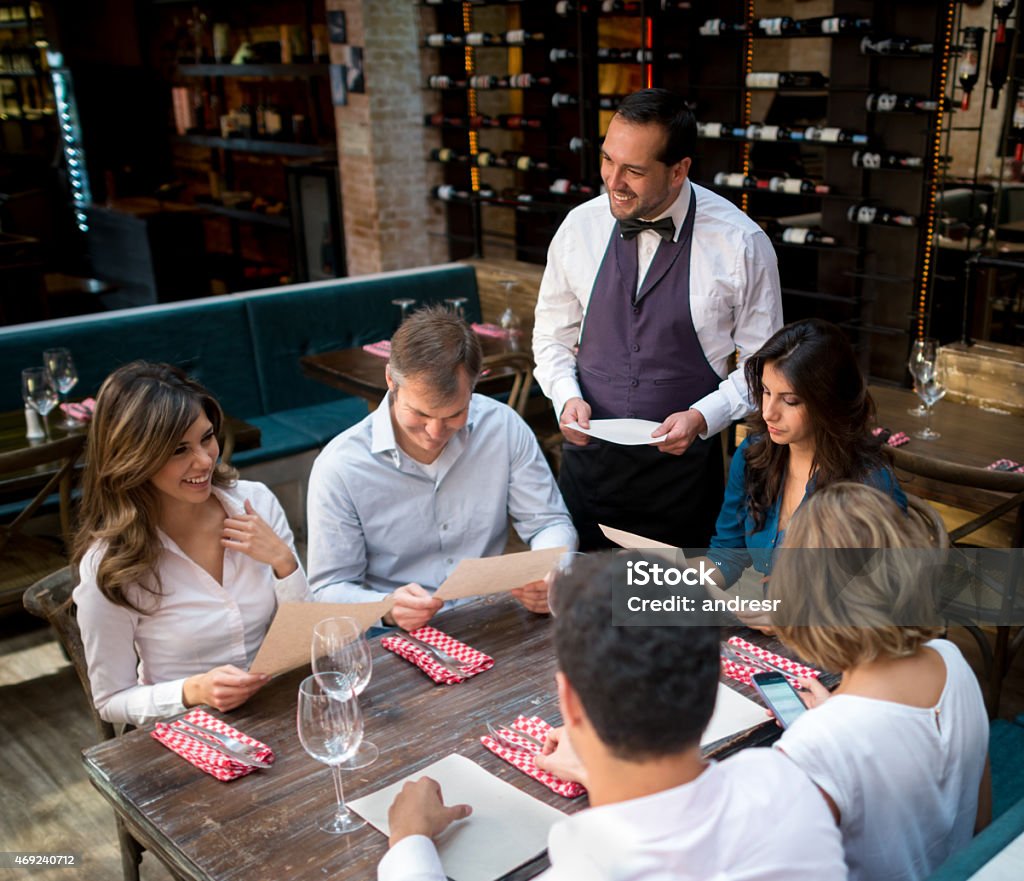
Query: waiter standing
647 292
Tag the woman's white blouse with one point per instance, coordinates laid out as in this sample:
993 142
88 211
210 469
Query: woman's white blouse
138 663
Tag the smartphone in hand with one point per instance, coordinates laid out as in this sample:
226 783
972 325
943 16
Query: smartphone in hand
780 697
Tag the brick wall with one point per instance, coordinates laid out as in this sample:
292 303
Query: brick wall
381 146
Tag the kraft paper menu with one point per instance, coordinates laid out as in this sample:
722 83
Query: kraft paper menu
287 643
631 540
506 829
486 575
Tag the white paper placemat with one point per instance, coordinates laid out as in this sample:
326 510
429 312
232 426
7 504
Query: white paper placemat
506 829
627 432
733 714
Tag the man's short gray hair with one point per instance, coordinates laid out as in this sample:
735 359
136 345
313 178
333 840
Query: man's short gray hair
430 346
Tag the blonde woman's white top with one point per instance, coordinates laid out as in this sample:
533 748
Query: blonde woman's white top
905 779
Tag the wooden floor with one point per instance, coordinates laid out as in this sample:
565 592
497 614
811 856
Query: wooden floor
46 802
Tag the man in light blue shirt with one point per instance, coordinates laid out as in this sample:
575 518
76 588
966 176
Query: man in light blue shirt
429 478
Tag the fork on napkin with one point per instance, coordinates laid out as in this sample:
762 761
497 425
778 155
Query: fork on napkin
744 672
205 756
522 757
470 660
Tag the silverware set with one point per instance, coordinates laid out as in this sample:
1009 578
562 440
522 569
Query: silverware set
746 659
222 743
504 735
449 662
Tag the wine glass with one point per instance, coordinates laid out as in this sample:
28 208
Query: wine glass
340 649
457 306
509 321
404 306
330 728
921 365
62 370
563 568
37 390
930 393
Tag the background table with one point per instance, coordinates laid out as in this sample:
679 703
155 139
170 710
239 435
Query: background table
361 373
263 825
953 469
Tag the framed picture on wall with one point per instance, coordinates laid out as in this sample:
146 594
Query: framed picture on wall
339 85
337 28
356 79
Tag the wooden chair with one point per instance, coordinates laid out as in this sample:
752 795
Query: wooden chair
44 469
924 515
50 599
505 368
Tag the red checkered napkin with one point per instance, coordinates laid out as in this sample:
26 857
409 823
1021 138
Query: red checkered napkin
742 673
80 410
489 329
381 349
1005 465
206 757
523 759
470 660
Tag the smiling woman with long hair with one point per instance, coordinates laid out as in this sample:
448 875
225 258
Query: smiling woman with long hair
810 429
181 565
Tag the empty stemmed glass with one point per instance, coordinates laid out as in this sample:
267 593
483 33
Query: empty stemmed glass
921 365
38 391
404 306
330 728
930 393
62 370
509 321
457 306
339 649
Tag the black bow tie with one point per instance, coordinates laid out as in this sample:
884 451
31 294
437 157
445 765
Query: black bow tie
630 229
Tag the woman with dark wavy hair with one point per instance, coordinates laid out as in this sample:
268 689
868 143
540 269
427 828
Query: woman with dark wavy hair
181 565
810 429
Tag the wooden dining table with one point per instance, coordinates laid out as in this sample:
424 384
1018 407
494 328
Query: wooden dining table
264 825
953 469
361 373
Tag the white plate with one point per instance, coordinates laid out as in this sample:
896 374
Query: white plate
627 432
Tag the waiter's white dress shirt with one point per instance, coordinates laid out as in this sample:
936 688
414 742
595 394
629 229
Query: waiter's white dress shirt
139 663
749 818
735 294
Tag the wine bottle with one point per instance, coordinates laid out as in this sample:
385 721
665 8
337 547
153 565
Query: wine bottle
640 56
515 121
720 27
779 26
760 132
833 135
440 81
735 180
563 99
786 79
892 102
874 161
450 193
967 73
800 235
564 186
1017 124
796 185
561 55
1002 10
830 25
610 6
896 46
480 38
519 37
998 69
718 130
440 40
446 154
879 215
609 102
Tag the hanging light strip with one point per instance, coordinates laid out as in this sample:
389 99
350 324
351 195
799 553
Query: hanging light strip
71 137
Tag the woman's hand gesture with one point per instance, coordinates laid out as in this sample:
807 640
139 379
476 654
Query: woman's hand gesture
250 534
